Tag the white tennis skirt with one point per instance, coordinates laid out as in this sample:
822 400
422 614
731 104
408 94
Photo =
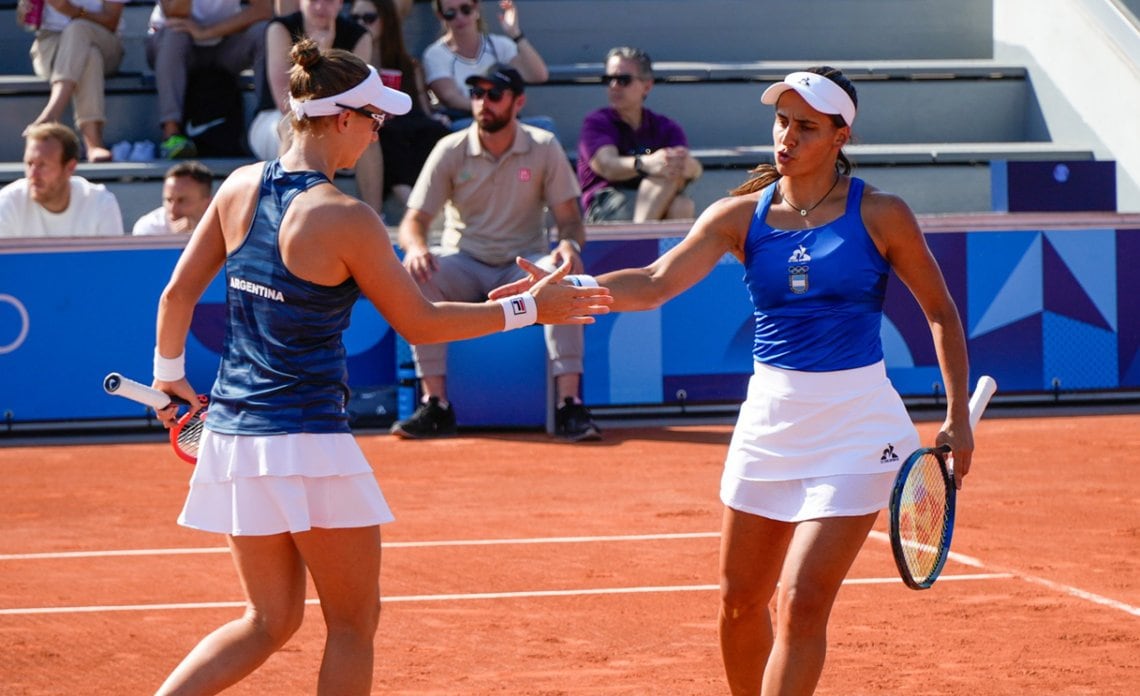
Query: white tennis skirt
816 444
253 485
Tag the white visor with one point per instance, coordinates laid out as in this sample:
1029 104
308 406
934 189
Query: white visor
369 92
820 93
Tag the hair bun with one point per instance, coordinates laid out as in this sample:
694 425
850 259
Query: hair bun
305 53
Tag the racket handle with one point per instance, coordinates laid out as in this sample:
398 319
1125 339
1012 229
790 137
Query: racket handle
985 390
119 385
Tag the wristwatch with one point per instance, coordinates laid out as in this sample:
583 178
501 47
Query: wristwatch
638 166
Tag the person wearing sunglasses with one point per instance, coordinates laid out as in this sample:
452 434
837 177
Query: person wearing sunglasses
269 131
497 179
407 140
279 472
467 48
633 163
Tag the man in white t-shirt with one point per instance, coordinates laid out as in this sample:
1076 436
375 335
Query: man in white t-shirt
186 191
50 201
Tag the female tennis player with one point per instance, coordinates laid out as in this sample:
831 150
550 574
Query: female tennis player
279 472
822 431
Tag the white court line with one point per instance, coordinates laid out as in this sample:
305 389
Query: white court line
454 597
880 536
386 545
1055 586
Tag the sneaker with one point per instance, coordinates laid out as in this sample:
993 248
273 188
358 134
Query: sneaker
141 151
121 151
573 422
178 147
429 420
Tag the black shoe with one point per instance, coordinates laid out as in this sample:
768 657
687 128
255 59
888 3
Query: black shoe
573 422
429 420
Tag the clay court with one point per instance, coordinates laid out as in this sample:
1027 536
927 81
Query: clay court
519 565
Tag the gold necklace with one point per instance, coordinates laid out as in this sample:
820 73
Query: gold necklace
804 211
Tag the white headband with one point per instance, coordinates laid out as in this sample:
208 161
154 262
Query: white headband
370 91
820 93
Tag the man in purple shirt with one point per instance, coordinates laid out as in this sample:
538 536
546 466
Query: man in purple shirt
633 164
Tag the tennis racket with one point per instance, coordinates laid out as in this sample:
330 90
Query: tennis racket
187 430
922 504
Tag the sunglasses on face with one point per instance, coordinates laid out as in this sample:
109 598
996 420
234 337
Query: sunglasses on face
378 118
452 13
623 80
493 95
365 17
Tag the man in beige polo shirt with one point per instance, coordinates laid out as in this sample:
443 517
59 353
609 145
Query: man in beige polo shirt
494 182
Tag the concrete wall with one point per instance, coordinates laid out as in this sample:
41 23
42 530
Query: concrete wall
1084 61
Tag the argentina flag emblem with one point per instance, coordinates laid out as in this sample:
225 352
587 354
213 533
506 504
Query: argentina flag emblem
798 279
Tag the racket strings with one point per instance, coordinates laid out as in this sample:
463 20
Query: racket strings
190 434
923 517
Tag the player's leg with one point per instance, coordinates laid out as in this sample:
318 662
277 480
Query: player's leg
817 561
273 578
751 551
345 565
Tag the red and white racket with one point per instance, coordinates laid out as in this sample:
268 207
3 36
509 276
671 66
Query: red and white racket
187 430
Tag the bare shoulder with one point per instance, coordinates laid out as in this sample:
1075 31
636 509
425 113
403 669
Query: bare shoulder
728 217
882 207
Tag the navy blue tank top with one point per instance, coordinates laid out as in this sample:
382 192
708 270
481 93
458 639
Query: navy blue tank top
283 365
818 292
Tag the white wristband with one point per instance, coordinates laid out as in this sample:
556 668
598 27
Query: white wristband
519 311
582 280
169 369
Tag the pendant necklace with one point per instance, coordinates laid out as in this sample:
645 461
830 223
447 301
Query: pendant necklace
804 211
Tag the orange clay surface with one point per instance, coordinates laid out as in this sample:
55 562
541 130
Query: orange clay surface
520 565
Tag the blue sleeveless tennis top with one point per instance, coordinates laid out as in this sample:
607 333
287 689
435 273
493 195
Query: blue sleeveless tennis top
283 365
818 292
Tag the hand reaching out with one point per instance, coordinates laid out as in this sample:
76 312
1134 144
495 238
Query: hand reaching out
558 302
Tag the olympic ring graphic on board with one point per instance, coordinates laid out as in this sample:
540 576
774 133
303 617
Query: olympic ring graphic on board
25 324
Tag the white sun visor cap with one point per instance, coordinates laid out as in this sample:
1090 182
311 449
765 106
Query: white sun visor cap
820 93
369 92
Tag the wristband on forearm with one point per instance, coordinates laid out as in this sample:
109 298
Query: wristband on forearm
519 311
582 280
169 369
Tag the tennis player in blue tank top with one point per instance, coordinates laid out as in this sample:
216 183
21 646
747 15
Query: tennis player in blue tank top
822 431
279 473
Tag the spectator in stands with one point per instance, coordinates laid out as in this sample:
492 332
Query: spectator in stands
466 48
50 201
76 46
633 164
188 34
805 477
497 179
186 191
284 7
321 21
409 138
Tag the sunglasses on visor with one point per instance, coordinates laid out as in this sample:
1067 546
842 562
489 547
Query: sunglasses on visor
378 118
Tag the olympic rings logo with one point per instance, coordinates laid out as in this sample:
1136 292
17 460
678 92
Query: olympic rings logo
25 324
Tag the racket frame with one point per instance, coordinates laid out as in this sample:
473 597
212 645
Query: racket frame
898 545
118 385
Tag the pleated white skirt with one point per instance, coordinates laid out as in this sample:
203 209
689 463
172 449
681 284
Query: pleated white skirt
252 485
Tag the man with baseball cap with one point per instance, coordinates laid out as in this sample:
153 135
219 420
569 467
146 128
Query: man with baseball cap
495 181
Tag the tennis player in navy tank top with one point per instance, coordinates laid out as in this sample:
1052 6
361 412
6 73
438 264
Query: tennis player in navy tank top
822 431
279 472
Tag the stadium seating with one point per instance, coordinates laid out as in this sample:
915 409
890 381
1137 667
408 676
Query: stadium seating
937 108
